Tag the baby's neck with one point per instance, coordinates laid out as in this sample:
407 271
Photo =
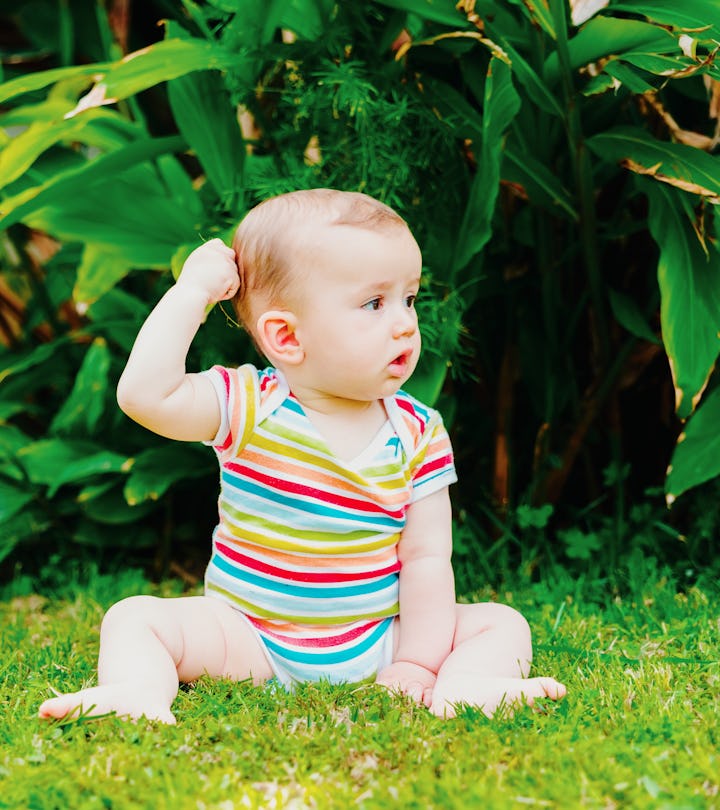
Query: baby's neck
347 426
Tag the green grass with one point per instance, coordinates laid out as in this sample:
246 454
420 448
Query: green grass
638 729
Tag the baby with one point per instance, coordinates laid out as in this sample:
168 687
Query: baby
331 557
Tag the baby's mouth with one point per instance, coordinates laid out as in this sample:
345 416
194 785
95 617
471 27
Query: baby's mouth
399 364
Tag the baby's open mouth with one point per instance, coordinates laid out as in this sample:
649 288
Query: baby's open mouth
399 364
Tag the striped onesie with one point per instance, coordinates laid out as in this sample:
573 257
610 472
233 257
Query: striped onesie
306 544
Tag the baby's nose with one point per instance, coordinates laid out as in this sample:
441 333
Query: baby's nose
405 322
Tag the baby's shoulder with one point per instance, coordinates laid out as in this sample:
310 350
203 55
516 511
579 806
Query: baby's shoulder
410 416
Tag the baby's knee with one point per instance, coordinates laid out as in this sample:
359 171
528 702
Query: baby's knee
512 620
131 611
496 616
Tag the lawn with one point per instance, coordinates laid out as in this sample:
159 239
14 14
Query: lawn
639 727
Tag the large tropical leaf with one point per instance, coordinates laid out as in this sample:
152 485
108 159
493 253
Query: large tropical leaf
698 17
98 272
157 469
204 114
12 499
439 11
688 276
501 105
132 212
149 66
23 150
696 458
678 165
54 462
80 177
30 82
538 12
542 186
606 36
82 410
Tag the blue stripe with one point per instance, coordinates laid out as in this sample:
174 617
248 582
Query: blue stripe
302 656
319 592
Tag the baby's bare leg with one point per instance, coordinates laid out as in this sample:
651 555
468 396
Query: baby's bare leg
489 663
148 645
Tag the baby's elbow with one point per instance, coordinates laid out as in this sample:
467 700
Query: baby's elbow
127 399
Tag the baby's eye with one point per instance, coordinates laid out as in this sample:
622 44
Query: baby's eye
373 306
410 301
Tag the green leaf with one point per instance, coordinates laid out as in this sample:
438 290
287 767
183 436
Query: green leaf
439 11
29 524
578 544
54 462
131 214
538 12
303 17
149 66
111 508
628 315
660 64
82 410
35 357
96 128
690 294
157 469
206 117
605 36
30 82
12 439
78 180
678 165
541 185
696 457
537 90
627 76
501 105
700 18
12 499
98 272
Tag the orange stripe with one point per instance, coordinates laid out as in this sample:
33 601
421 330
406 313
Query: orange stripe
314 474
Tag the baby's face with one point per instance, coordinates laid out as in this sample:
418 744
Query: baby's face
357 322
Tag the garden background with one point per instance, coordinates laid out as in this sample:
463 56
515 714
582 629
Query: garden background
557 162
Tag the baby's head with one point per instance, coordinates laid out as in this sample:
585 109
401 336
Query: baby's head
278 241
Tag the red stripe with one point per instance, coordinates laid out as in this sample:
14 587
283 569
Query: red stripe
322 641
323 496
226 380
303 576
431 466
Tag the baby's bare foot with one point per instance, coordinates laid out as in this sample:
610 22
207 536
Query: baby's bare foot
490 693
123 699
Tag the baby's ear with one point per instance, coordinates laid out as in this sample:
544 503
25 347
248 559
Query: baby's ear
276 331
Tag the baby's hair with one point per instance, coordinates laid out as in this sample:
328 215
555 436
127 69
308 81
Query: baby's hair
271 234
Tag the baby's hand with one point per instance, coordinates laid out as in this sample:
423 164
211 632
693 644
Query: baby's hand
211 270
408 679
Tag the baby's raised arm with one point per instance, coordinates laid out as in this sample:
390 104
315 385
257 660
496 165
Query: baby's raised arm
155 389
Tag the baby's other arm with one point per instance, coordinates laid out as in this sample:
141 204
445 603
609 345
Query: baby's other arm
427 596
154 388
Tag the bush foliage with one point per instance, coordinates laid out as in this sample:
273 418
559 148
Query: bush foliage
555 161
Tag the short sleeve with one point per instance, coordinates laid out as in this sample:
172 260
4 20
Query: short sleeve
237 393
432 466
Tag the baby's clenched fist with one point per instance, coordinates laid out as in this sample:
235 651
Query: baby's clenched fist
211 269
